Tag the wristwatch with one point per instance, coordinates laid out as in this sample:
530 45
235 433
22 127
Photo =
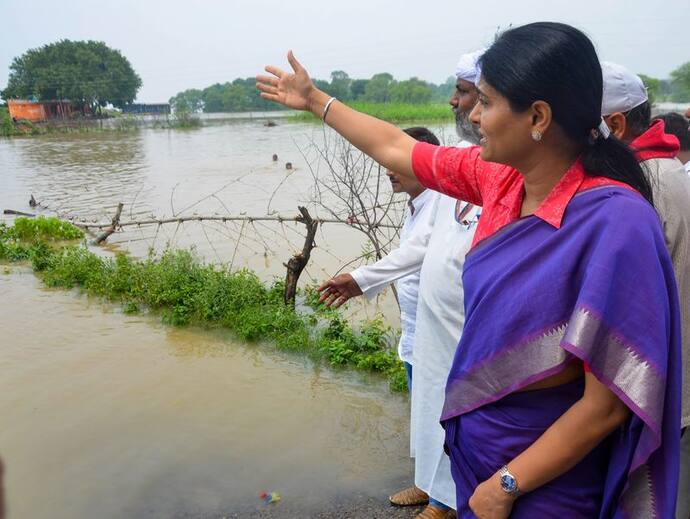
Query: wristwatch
508 482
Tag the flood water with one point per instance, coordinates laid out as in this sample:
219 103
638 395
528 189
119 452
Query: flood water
107 415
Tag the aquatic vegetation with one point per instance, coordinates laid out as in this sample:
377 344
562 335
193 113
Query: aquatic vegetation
45 228
7 128
28 237
184 119
393 112
185 291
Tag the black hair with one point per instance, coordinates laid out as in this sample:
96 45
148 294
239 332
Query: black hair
422 134
676 124
557 64
639 119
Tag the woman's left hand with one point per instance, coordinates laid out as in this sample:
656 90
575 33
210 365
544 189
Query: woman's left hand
489 501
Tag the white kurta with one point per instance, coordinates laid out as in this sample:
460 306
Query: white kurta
440 315
440 318
402 264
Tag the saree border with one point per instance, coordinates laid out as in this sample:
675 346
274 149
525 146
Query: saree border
635 380
638 500
507 371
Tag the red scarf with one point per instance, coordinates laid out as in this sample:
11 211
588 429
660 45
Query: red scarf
655 143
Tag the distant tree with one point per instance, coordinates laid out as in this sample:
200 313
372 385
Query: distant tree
653 87
680 83
89 73
357 88
340 85
413 90
443 91
188 101
322 84
213 98
235 97
377 89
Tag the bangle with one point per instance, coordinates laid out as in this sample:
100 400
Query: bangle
326 108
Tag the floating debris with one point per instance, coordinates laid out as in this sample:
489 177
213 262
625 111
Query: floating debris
270 497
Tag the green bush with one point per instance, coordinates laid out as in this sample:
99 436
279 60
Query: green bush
45 228
186 291
7 128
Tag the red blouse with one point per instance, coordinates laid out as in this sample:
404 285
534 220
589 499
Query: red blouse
499 189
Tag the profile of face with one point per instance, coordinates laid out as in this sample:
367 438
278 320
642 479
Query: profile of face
462 101
505 135
402 185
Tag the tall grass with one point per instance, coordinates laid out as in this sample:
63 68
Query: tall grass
7 127
393 112
183 290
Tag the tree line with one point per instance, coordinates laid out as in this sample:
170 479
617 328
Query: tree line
241 95
91 74
675 89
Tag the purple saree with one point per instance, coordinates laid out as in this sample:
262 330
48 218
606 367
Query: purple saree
600 289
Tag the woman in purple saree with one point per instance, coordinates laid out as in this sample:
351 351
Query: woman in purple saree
601 298
563 399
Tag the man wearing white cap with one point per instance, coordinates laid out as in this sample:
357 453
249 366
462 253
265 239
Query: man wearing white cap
627 112
438 322
464 96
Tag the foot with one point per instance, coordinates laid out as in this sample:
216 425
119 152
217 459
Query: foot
433 512
412 496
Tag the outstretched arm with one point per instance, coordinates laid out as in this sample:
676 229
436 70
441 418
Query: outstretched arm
386 144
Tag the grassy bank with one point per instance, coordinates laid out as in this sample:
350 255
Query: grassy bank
121 123
185 291
393 112
7 126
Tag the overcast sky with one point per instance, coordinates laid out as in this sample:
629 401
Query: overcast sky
180 44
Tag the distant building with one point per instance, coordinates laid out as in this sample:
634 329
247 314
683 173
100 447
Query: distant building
37 111
142 108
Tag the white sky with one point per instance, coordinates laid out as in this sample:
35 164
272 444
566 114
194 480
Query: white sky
176 44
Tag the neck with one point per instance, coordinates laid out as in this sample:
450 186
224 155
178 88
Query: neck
684 156
415 193
542 173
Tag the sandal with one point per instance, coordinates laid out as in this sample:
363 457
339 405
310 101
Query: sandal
433 512
412 496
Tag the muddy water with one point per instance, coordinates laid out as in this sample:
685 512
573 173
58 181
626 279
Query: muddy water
219 169
106 415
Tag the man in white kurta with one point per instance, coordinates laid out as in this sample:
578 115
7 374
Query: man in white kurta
440 310
413 237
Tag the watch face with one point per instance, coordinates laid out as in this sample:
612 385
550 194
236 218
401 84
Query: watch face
508 483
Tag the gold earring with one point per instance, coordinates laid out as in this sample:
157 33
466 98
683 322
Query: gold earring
536 135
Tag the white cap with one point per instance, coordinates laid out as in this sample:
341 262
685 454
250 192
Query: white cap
623 90
468 67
